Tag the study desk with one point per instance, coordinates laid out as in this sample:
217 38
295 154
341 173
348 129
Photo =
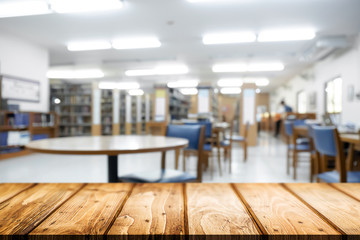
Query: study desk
180 211
111 146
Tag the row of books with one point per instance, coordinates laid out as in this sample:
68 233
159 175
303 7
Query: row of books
14 138
18 120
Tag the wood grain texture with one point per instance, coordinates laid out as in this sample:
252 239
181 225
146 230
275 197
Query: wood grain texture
215 209
9 190
155 209
283 215
340 209
23 212
352 189
90 212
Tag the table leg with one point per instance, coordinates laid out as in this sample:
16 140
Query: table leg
113 169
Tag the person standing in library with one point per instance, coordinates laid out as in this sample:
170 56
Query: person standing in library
284 108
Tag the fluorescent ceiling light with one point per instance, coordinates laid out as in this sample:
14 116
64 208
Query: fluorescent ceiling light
118 85
133 43
265 67
230 82
253 67
86 46
75 74
136 92
229 38
230 90
163 70
23 8
286 35
229 68
183 84
188 91
73 6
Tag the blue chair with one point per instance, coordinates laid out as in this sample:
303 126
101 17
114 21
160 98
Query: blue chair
295 144
314 162
328 144
208 145
196 137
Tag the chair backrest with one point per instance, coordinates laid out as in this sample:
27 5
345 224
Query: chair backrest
156 128
208 127
288 128
327 142
195 134
324 140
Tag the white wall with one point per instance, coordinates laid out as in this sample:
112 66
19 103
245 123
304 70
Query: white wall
346 66
20 58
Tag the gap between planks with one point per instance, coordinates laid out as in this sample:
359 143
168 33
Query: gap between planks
250 212
325 219
50 213
119 210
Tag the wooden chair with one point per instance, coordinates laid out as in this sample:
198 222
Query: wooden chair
227 146
328 143
242 140
210 142
156 128
294 146
196 137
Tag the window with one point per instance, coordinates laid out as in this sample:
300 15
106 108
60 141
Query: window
333 95
301 102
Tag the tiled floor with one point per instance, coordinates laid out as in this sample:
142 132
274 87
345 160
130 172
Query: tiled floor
266 163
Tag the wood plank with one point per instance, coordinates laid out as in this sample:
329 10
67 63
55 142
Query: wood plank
9 190
89 213
23 212
155 209
283 215
352 189
215 209
340 209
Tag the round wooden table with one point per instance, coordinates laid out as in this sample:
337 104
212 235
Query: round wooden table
111 146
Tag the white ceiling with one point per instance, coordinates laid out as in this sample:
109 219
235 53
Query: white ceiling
179 25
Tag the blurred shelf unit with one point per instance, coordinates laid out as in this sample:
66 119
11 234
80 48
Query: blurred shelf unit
207 103
122 117
106 112
18 128
179 104
72 103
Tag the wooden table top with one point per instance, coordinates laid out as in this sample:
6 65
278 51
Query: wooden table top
245 210
108 145
350 138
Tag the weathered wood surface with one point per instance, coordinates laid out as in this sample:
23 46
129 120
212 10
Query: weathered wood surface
341 210
281 213
214 209
22 213
154 209
180 211
90 212
9 190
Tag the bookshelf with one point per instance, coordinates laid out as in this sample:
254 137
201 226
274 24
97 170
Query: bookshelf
170 104
106 112
72 103
179 104
18 128
122 113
